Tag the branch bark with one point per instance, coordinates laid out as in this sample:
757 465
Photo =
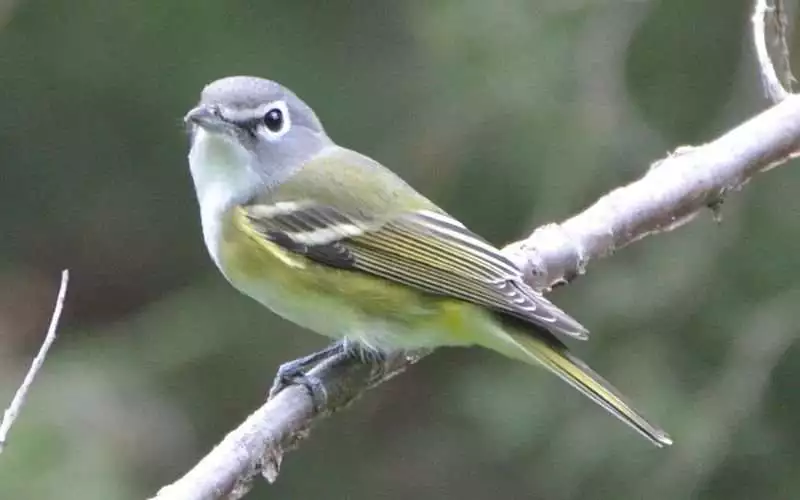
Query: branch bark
673 191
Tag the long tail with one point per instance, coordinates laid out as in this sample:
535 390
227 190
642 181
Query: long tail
553 355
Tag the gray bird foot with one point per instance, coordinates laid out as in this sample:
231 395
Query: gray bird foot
295 373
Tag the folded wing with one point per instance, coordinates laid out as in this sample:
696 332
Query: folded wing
423 249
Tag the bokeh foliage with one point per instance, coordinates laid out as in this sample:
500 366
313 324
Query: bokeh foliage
511 114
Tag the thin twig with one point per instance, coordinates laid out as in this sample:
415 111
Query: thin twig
673 191
11 414
782 27
773 87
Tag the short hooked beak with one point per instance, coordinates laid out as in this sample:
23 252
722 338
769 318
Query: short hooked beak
207 117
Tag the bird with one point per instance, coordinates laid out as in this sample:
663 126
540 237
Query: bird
335 242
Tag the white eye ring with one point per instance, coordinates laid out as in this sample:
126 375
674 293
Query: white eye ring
276 121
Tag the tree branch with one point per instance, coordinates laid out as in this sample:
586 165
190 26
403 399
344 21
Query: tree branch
671 193
11 414
762 13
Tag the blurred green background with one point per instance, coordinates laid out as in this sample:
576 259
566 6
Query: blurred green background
510 114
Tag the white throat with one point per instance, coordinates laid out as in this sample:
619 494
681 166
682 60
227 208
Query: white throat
222 177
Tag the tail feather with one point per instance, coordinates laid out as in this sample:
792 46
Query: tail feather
554 356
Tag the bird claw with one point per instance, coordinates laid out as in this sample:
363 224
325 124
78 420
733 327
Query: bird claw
294 373
315 387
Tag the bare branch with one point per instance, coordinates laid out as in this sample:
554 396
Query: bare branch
775 89
671 193
258 444
675 190
11 414
782 27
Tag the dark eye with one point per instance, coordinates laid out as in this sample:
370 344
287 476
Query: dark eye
274 120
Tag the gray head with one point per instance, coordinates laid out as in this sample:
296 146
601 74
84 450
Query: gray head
263 124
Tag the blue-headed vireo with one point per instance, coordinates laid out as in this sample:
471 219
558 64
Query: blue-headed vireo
334 241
